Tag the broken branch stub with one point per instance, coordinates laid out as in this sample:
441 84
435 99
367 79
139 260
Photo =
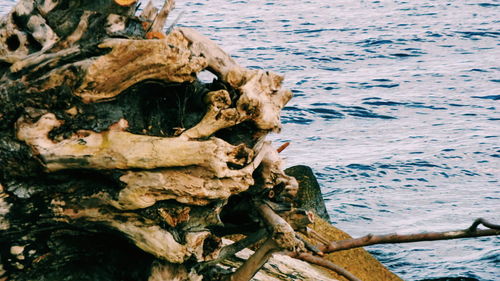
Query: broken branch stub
108 136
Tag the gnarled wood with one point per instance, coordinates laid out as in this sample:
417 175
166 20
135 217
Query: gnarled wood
109 138
118 163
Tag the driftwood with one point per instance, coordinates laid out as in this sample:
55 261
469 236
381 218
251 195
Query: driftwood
325 263
256 261
118 163
370 239
282 267
113 151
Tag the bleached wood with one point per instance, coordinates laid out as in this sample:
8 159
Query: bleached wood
282 232
78 32
219 116
255 262
165 60
146 234
161 17
149 12
261 93
283 267
117 149
163 192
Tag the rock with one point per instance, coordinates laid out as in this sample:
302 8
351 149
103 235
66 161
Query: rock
309 196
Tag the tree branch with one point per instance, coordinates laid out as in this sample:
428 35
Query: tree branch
161 17
282 232
484 222
255 262
324 263
283 146
394 238
229 250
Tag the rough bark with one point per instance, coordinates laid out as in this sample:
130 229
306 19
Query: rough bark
117 163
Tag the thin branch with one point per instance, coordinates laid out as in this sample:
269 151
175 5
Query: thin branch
282 232
310 246
371 239
324 263
242 244
255 262
484 222
283 146
149 12
171 27
311 233
230 250
161 17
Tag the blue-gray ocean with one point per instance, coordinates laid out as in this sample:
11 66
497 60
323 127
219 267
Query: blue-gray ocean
396 107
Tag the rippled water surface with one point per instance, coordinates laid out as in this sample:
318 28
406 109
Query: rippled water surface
396 108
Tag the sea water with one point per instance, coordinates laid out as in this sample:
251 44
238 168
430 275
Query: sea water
396 108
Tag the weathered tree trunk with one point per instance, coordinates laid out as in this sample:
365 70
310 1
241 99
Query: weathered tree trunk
117 163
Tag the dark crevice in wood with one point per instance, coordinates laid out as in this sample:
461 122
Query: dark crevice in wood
80 255
236 216
33 45
13 42
163 109
245 132
20 21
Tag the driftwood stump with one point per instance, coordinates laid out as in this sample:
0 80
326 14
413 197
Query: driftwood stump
117 162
